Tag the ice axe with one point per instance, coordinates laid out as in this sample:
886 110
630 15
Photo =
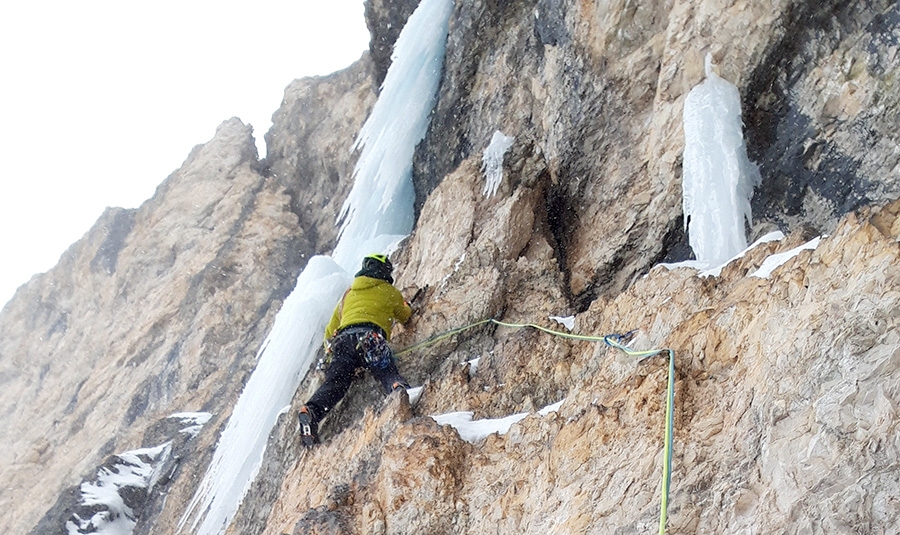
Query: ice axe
419 293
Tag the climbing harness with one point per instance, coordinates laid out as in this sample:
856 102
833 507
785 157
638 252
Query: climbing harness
617 341
376 351
372 343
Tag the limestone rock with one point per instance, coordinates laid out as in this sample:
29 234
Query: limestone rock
310 145
155 311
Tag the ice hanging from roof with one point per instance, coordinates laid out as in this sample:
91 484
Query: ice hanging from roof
718 177
377 215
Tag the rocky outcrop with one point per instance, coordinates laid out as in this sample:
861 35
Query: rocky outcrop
786 395
310 145
156 310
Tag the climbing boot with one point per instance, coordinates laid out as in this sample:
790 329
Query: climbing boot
309 429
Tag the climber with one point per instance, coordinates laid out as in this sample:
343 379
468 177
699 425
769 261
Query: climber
356 337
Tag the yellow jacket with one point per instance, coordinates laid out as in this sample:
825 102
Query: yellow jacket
369 300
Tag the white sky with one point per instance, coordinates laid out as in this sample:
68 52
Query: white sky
101 100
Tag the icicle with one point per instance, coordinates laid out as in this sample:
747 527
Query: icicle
718 177
492 162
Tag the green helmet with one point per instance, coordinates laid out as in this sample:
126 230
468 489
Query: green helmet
378 266
380 257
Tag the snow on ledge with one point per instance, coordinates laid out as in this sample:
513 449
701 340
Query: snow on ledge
194 421
105 496
707 270
414 395
770 264
474 431
776 260
568 322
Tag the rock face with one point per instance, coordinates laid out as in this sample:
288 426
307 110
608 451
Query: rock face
786 386
785 392
309 146
141 316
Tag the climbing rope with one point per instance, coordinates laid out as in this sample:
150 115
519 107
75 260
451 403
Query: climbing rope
617 341
442 336
614 341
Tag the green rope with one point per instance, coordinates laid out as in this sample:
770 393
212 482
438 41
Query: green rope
437 338
612 340
670 420
442 336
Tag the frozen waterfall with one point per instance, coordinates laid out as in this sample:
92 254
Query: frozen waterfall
377 214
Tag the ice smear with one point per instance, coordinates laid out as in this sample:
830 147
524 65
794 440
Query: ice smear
377 215
718 176
492 162
774 261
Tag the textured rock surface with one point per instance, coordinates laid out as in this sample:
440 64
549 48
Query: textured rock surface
786 413
156 310
595 91
309 145
786 387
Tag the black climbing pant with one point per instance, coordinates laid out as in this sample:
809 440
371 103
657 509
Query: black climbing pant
348 356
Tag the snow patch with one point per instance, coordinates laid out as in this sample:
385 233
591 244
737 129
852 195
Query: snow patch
473 366
568 322
476 430
492 162
415 394
194 420
551 408
776 260
134 469
706 270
